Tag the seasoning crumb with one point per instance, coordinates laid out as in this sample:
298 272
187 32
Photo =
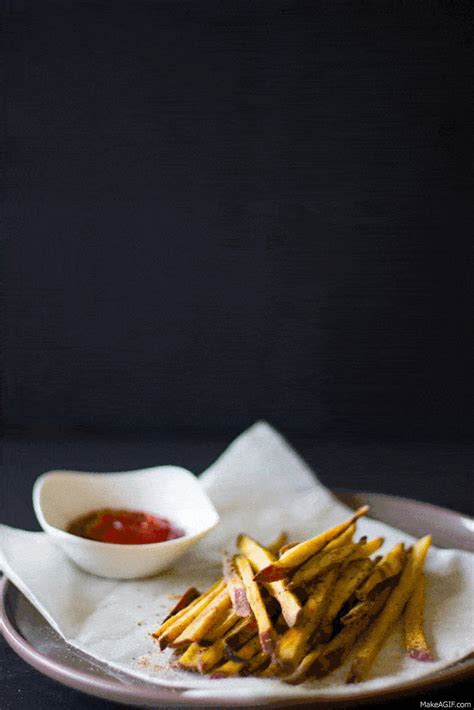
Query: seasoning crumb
146 662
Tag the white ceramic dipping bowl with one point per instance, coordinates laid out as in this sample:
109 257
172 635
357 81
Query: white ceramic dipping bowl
167 491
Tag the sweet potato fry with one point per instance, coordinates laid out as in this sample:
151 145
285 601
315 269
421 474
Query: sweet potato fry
292 646
211 655
265 629
171 629
229 623
259 557
367 548
297 555
415 640
319 564
214 613
349 579
275 546
357 612
298 615
233 668
185 600
240 633
257 663
235 588
390 613
188 661
326 658
288 546
389 566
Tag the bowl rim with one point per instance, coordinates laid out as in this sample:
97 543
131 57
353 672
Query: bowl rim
60 533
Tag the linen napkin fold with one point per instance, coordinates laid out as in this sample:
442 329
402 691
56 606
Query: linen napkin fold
259 485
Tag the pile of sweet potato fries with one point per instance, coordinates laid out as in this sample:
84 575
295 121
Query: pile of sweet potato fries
296 611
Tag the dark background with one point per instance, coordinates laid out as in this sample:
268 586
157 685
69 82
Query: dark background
220 211
223 211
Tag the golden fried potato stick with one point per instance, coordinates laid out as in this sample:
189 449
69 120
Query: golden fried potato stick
185 600
239 633
392 610
367 548
326 658
357 612
349 579
415 640
292 646
172 627
256 663
229 623
235 587
210 656
234 667
212 614
389 566
259 558
329 556
265 628
275 546
365 607
319 564
288 546
297 555
188 661
344 539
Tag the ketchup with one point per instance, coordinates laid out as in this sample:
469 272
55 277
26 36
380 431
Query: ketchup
124 527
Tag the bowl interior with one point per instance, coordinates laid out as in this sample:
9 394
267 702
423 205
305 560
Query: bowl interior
167 491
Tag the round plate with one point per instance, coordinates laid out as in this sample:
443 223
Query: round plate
29 634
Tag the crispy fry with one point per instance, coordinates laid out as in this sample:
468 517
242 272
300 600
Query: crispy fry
228 624
278 543
288 546
212 614
367 548
343 539
415 640
350 578
326 658
188 661
185 600
390 613
256 663
319 564
212 655
293 644
240 633
298 554
265 629
358 611
232 668
389 566
299 615
235 588
259 558
172 628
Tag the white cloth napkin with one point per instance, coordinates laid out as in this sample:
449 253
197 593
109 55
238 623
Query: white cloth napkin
259 485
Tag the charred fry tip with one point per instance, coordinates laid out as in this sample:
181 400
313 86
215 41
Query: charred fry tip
270 574
420 655
363 510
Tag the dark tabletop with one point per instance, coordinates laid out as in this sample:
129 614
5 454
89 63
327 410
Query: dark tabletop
438 472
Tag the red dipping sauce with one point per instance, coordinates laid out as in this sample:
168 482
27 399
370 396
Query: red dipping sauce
124 527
